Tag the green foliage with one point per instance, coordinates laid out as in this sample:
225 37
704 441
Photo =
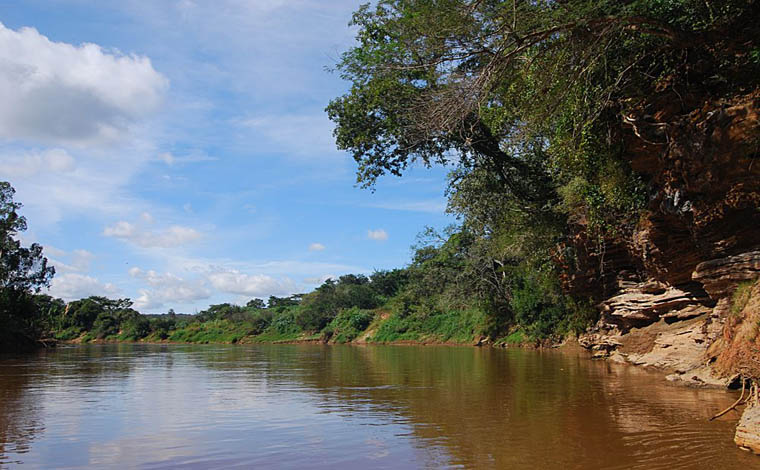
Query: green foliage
516 338
349 324
213 331
321 306
23 272
105 325
532 103
458 326
68 334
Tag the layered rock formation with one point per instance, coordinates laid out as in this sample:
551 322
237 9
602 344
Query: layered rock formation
665 288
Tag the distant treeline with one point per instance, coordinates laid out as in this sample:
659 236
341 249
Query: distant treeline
452 290
438 297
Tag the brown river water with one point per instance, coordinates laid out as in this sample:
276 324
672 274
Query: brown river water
316 406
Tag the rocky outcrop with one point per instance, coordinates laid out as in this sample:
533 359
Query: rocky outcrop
720 277
665 286
640 304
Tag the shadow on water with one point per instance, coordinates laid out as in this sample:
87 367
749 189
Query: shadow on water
319 406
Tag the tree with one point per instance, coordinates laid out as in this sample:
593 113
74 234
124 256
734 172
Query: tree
23 272
22 269
533 92
256 304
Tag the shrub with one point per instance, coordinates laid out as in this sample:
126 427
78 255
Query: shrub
349 324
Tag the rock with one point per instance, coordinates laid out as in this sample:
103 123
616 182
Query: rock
617 356
748 430
721 276
645 303
700 377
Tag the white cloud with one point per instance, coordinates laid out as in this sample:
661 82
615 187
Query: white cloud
379 234
72 286
172 236
254 285
56 183
60 93
78 261
73 127
32 163
167 288
316 247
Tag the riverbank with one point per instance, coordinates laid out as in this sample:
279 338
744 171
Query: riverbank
680 351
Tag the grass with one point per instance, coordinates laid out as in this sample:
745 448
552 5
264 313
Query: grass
216 331
68 334
741 297
450 326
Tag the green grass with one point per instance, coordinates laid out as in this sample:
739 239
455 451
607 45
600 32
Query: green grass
216 331
270 336
451 326
68 334
516 338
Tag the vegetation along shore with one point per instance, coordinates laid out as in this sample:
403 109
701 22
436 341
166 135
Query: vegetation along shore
603 169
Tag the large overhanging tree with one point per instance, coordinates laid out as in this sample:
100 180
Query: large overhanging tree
533 92
533 102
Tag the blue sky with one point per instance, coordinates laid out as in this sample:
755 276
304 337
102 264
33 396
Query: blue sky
177 152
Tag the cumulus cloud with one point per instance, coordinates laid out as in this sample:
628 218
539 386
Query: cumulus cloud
252 285
316 247
167 288
72 286
174 235
60 93
379 234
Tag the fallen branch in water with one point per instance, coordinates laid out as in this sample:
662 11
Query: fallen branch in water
737 403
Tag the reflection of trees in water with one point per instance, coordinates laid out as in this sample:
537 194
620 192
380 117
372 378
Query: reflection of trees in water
25 378
480 407
20 420
496 408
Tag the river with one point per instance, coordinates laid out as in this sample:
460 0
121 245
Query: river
317 406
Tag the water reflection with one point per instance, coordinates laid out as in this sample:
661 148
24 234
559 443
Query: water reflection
314 406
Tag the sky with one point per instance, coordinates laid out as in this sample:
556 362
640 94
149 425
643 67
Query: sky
177 152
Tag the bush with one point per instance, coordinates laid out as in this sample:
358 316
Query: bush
349 324
105 325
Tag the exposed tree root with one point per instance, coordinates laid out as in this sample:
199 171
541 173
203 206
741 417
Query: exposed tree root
741 400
